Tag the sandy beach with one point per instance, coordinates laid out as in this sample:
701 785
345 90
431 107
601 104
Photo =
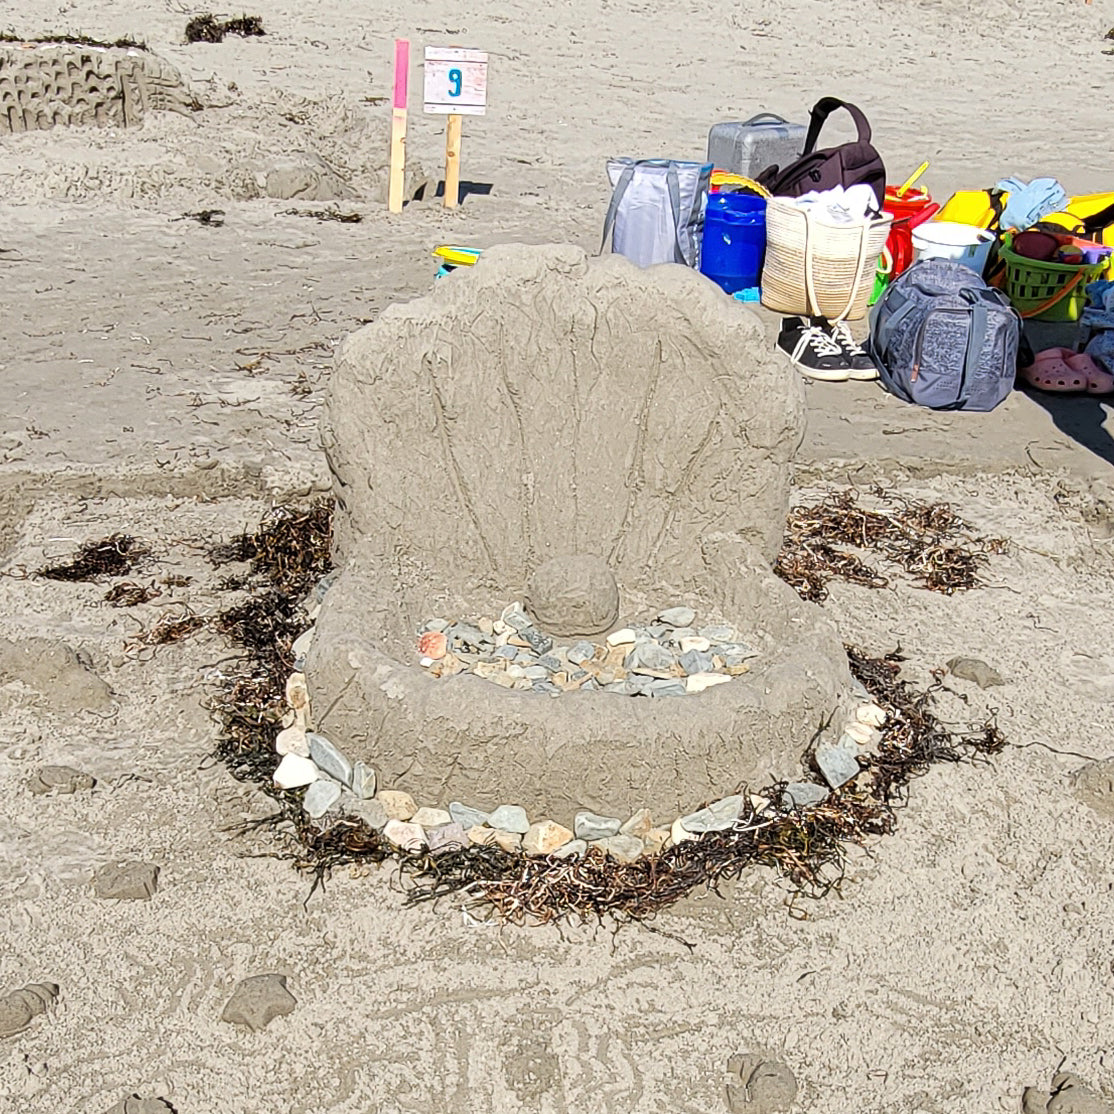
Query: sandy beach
165 379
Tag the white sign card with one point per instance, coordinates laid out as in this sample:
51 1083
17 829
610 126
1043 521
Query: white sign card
455 81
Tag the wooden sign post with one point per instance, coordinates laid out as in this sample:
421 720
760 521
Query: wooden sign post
398 126
455 86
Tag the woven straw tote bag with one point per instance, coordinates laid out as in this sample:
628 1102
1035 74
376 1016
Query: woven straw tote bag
819 268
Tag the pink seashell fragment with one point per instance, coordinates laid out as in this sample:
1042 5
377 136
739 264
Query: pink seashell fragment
433 644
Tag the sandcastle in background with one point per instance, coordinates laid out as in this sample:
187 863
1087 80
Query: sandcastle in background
602 443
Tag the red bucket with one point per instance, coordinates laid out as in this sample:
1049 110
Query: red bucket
913 208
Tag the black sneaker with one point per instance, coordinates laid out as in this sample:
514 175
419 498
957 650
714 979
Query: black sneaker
812 348
859 363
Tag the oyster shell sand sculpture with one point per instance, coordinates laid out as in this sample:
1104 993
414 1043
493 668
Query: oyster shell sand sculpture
598 442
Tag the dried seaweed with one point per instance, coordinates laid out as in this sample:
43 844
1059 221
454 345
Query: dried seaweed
927 540
168 629
805 847
128 594
208 29
73 40
212 218
116 555
323 214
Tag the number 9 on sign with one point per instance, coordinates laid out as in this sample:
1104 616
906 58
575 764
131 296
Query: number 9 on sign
455 81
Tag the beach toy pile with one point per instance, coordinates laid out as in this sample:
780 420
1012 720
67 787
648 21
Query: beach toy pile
772 217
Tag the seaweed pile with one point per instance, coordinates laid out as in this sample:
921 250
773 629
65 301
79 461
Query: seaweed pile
72 40
208 29
806 847
115 555
929 541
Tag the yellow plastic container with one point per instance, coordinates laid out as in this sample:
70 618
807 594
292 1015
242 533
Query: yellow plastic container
456 256
971 207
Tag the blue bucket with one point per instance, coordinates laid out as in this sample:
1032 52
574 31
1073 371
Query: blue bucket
734 241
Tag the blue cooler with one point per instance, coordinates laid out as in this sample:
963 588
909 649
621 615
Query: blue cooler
734 240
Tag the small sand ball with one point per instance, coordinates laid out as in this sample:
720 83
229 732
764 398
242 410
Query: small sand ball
570 596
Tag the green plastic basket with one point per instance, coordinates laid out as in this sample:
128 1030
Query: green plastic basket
1046 291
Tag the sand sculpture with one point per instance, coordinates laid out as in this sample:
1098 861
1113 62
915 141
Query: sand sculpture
597 442
44 85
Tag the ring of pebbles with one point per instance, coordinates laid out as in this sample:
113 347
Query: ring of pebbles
516 654
669 657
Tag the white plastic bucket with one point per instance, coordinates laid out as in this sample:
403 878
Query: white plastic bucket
961 243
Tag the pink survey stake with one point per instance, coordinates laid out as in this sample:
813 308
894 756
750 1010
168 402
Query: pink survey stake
402 71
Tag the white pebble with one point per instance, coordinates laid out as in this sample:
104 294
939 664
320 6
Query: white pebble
698 682
294 771
292 740
700 645
621 637
430 818
409 837
862 734
871 715
302 643
678 833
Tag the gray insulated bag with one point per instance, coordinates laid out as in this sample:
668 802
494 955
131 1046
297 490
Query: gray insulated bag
656 213
942 338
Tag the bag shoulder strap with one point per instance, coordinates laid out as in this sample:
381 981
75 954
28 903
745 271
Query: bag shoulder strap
1096 222
617 193
823 108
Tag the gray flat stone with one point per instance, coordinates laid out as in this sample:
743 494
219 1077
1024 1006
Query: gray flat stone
838 764
321 796
258 1000
329 759
447 837
363 781
718 633
536 673
974 669
371 812
860 690
540 643
131 881
466 816
716 817
509 818
574 849
545 688
650 655
580 652
435 625
470 636
677 616
696 661
590 825
625 848
802 794
517 619
505 653
667 688
60 780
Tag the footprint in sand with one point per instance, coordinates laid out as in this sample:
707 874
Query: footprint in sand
1091 674
758 1085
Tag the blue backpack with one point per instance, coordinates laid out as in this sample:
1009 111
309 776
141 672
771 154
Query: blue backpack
942 338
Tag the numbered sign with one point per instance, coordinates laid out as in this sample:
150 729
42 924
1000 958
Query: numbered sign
455 81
